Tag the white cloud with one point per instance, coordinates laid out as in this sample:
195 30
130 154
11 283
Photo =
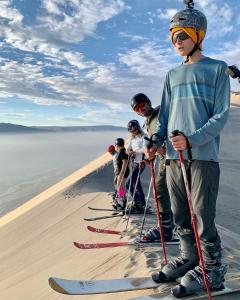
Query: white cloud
13 115
148 60
103 117
76 59
219 17
166 14
102 74
66 76
59 24
142 69
132 37
62 22
230 53
71 21
9 15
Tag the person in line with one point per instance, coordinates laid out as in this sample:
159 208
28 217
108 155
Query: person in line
121 171
135 149
112 151
142 105
195 100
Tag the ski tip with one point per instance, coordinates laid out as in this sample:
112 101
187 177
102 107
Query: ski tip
52 281
78 245
90 228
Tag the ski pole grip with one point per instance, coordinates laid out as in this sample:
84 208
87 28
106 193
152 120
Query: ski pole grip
150 142
178 132
175 132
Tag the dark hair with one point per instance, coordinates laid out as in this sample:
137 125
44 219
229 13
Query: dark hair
119 142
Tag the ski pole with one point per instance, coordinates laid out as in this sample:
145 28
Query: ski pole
146 206
149 146
133 197
130 183
193 215
128 192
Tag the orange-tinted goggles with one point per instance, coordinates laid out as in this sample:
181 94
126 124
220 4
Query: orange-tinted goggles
182 36
139 106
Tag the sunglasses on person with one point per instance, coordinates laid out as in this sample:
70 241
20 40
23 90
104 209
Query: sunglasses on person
182 36
139 106
132 128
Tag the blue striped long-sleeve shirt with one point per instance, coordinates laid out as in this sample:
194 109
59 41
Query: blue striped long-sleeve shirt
196 100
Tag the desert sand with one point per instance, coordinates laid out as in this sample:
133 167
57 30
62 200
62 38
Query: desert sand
36 240
235 99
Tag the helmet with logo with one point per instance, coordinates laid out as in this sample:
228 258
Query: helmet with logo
133 125
138 98
193 22
119 142
189 17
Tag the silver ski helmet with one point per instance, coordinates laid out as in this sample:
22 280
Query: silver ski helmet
189 17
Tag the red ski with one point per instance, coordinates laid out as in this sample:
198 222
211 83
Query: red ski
122 244
107 231
102 245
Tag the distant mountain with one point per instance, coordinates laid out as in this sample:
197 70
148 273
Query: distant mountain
79 128
14 128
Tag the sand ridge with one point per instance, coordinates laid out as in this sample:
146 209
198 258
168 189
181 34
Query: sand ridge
56 188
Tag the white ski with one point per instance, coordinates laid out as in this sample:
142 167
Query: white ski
84 287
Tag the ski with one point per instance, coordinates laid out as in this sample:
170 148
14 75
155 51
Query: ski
82 287
123 233
105 209
232 286
102 245
121 244
107 231
103 217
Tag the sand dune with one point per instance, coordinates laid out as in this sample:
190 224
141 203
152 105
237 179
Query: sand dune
36 239
235 99
38 245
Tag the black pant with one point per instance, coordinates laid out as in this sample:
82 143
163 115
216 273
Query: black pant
139 198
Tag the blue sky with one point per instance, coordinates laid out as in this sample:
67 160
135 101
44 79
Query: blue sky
79 62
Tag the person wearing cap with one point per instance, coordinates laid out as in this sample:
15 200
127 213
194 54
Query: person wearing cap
135 149
121 172
111 150
142 105
195 101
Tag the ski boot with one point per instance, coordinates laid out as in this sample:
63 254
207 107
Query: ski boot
153 234
134 210
119 203
176 268
193 281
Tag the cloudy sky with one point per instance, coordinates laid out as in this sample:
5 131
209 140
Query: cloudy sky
78 62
